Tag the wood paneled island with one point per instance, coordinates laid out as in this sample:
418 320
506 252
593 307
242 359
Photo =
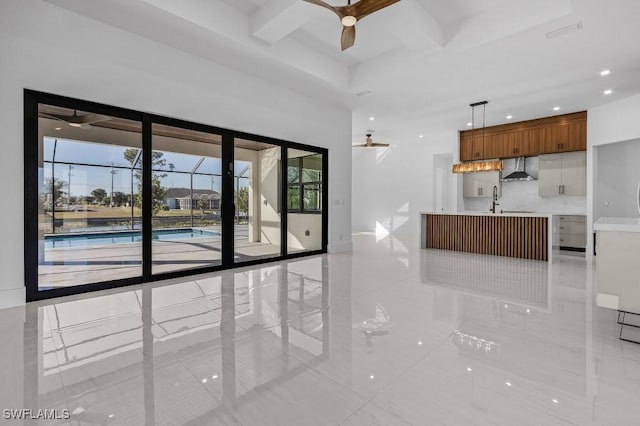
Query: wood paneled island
522 235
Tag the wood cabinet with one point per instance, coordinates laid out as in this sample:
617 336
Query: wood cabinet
563 174
530 144
564 133
480 184
565 137
471 148
503 145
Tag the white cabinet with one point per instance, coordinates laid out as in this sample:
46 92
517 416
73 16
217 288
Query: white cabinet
573 232
480 184
563 174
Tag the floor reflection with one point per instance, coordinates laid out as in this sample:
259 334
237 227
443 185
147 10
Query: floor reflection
177 353
380 336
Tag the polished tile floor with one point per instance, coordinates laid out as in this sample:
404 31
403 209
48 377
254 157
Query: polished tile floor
386 335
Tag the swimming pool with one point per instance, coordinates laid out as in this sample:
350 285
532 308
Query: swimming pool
107 238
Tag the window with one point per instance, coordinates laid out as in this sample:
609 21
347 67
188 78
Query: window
304 184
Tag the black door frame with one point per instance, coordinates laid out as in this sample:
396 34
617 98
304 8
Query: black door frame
31 182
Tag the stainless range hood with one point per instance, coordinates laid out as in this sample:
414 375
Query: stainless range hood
520 173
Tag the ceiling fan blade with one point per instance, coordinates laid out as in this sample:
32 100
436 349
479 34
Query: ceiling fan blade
367 7
362 145
52 116
379 145
91 118
325 5
348 37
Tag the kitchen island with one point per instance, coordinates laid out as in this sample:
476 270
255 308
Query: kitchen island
522 235
617 248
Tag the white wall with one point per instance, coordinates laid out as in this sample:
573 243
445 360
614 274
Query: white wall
269 212
53 50
617 182
606 124
392 185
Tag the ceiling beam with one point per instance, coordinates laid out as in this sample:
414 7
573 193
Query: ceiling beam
513 18
215 31
412 25
278 18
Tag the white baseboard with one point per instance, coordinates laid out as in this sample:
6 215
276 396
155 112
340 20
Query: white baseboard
13 297
340 248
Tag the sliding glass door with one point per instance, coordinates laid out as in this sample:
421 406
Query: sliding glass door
305 175
257 218
186 183
89 216
116 197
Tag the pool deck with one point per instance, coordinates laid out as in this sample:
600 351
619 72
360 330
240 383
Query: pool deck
69 266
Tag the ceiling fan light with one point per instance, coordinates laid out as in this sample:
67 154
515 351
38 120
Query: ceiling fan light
349 21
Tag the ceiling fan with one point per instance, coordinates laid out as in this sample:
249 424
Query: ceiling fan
371 144
75 120
352 13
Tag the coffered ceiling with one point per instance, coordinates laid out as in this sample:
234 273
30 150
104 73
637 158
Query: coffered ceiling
415 65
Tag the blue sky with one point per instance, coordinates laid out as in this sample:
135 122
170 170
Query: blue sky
85 179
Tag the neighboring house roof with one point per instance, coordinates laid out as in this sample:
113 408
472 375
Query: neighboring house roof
197 193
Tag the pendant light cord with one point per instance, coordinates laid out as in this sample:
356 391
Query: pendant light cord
484 109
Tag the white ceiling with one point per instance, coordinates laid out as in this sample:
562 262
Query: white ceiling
424 61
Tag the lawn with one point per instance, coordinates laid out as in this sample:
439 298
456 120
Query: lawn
120 212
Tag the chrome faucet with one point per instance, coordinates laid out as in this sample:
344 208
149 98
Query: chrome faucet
495 198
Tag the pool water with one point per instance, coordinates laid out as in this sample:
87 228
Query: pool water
107 238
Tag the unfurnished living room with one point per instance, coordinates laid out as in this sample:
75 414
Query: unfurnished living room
320 212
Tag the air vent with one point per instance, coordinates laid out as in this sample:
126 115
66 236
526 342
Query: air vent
564 30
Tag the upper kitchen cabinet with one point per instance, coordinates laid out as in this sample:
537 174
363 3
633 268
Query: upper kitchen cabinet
471 148
480 184
563 174
503 145
566 136
530 143
549 135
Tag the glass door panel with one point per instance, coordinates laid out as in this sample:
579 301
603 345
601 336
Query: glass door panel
257 200
89 207
186 191
304 201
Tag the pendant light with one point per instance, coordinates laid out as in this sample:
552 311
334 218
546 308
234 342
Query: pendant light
478 166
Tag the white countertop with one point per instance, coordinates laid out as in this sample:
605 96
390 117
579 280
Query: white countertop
492 214
622 224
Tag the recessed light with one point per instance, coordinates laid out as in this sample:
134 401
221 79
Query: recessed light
372 377
421 136
605 72
469 124
371 118
508 383
58 128
608 92
556 108
204 380
555 401
75 124
509 117
420 342
469 369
